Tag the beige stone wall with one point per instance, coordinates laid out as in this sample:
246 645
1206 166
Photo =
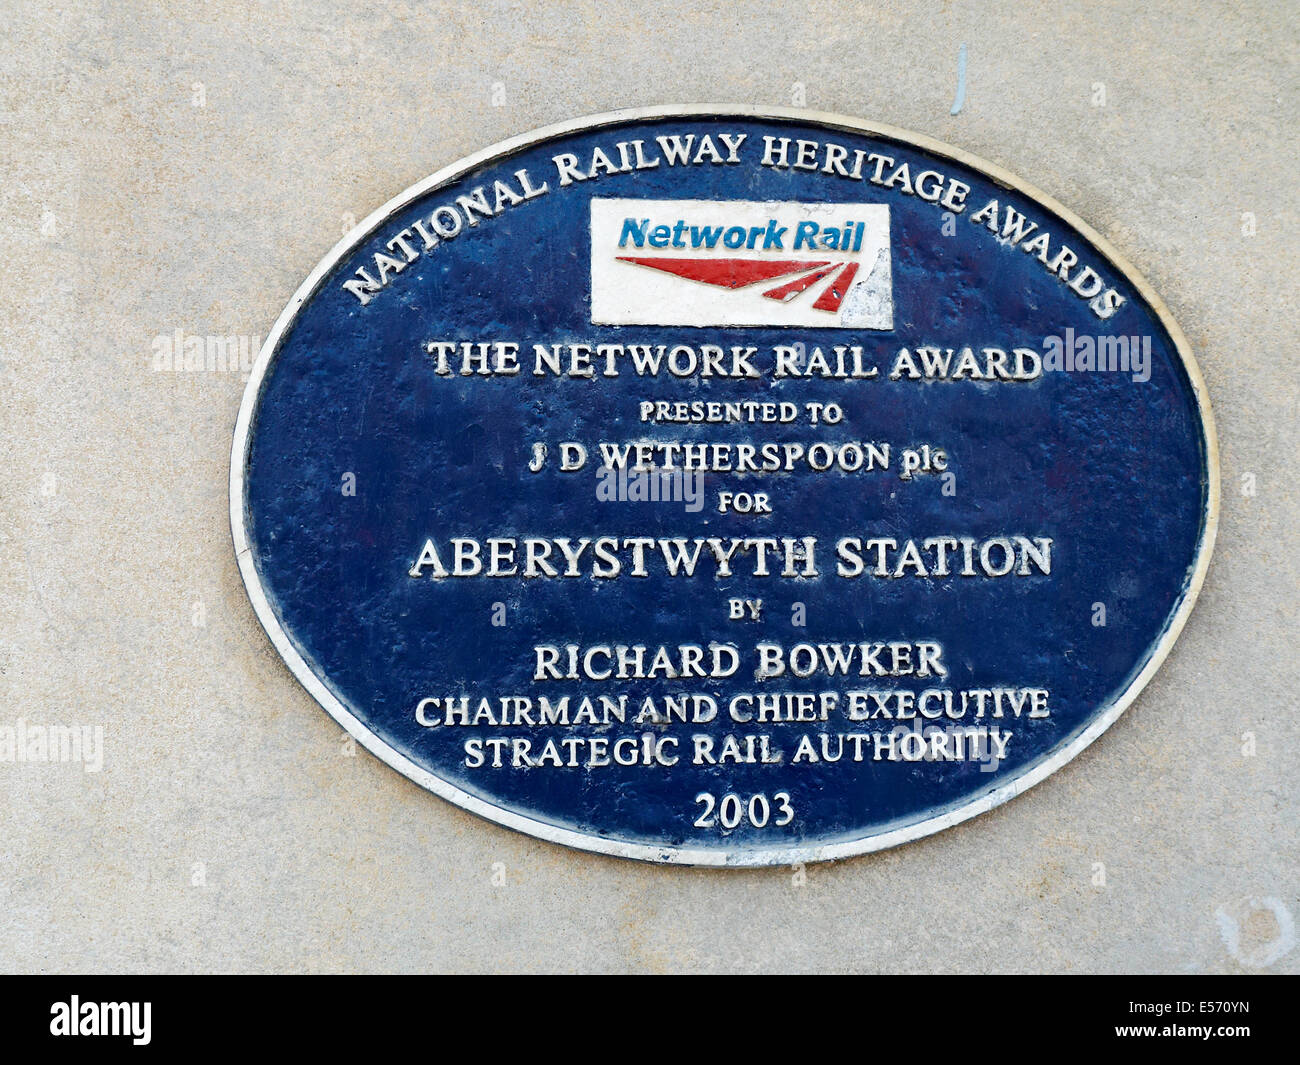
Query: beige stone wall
185 171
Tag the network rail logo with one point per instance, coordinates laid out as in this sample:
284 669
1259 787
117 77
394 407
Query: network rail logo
736 262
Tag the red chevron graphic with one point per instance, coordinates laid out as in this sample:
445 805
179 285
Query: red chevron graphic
831 299
725 273
785 293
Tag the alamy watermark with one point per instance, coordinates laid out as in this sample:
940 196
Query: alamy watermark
24 742
920 742
1098 354
651 486
131 1020
178 352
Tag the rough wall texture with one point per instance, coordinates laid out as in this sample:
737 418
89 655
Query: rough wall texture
185 171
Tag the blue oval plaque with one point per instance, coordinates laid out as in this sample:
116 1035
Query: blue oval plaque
724 487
